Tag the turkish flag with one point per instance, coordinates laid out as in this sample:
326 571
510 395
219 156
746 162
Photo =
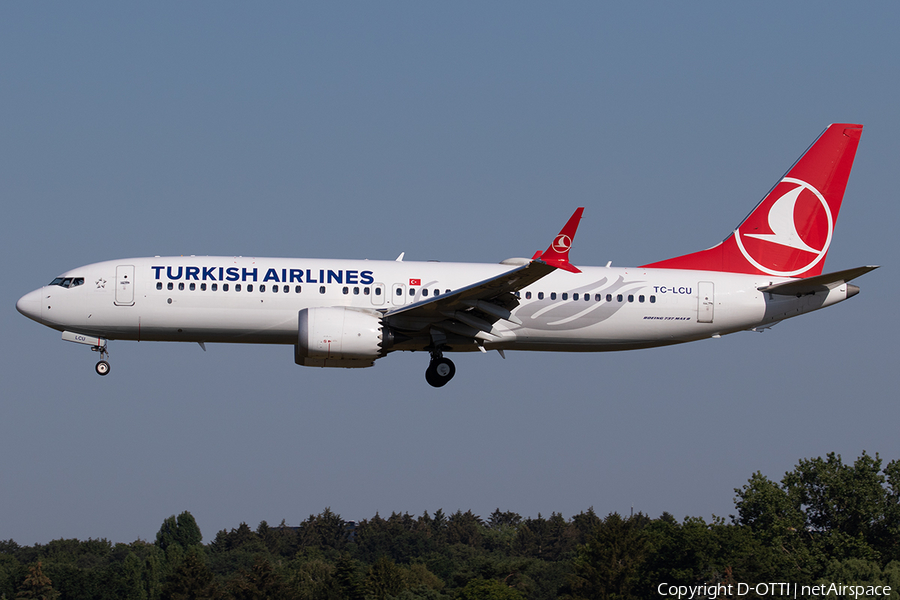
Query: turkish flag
415 282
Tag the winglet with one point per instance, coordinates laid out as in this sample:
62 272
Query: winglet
557 255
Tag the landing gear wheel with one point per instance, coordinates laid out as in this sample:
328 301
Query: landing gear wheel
102 368
439 372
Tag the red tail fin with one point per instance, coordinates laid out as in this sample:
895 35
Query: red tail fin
789 232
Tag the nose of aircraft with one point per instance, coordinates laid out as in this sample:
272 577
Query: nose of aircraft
30 305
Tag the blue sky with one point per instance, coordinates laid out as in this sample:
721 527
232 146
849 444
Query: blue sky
458 132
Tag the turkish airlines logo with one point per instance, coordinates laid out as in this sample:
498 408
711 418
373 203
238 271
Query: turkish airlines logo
562 243
793 235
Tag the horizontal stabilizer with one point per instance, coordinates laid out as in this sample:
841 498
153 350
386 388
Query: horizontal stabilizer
818 283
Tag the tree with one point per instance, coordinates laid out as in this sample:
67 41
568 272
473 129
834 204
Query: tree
609 564
181 530
839 497
385 579
323 531
489 589
464 528
347 578
260 583
191 580
37 585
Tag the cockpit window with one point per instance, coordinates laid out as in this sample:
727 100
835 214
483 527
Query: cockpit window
68 281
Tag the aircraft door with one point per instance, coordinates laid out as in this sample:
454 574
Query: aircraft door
398 294
125 285
706 300
378 294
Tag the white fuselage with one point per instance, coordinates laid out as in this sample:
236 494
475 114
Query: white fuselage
256 300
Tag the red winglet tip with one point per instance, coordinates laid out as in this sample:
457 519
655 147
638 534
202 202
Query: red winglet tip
557 253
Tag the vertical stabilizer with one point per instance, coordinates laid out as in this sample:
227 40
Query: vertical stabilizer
789 232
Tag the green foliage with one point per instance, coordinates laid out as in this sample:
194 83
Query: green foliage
824 521
37 585
191 579
823 511
181 530
260 583
610 563
489 589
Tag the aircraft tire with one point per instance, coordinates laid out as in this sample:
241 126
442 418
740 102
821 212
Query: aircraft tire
102 368
440 372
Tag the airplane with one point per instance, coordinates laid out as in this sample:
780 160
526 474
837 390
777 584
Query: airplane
349 313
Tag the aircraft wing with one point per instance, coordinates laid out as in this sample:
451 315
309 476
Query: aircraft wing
472 310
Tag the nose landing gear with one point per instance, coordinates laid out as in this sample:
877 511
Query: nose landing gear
440 370
102 367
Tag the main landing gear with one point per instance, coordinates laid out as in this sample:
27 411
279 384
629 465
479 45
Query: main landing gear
440 370
101 367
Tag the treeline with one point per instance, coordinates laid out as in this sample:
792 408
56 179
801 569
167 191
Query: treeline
824 522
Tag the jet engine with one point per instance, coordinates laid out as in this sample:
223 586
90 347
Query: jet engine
336 336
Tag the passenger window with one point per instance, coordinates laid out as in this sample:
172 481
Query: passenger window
574 296
540 295
598 297
321 289
346 290
181 285
528 295
399 292
565 295
553 295
640 298
237 287
224 287
262 287
424 293
365 291
250 287
587 297
287 289
297 289
377 291
446 291
275 289
215 287
202 287
193 287
619 298
170 286
631 297
159 285
356 291
652 299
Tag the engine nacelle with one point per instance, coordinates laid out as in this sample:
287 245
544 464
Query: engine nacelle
335 336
